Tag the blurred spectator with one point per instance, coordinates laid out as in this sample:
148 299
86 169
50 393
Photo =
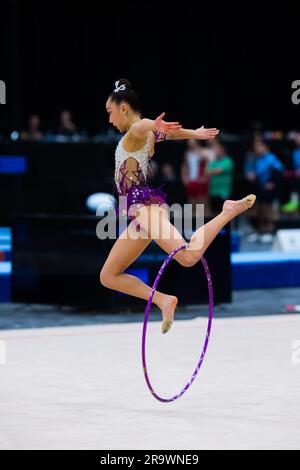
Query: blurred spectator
66 125
264 171
296 157
172 185
193 173
154 173
296 162
34 129
220 171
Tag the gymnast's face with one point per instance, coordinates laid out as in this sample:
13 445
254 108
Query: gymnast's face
117 114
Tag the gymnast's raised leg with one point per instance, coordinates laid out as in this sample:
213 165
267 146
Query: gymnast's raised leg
155 224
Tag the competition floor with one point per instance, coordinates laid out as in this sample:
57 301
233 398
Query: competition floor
75 381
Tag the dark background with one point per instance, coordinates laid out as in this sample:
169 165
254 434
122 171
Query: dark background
207 63
213 64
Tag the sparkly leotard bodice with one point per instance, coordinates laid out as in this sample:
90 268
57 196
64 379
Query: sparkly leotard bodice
131 171
131 166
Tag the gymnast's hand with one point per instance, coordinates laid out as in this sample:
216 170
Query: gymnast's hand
166 127
203 133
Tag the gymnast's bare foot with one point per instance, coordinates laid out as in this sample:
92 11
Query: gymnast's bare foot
234 208
167 307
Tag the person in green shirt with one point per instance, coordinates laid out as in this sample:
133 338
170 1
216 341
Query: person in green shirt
220 171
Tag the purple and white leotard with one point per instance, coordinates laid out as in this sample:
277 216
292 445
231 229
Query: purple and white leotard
131 179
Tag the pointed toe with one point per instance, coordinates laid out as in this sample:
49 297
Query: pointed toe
249 200
167 323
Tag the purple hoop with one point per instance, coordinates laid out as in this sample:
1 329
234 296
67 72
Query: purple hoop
210 290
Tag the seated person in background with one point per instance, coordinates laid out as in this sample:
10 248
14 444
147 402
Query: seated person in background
264 170
296 162
193 173
292 179
66 125
34 129
220 171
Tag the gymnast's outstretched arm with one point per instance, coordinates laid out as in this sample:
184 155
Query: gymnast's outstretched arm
171 130
200 133
141 128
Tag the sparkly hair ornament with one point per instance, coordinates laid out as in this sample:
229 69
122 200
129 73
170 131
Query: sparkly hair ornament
119 88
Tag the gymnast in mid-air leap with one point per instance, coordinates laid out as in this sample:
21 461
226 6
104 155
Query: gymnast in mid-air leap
132 157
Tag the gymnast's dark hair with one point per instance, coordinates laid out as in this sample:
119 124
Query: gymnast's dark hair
128 95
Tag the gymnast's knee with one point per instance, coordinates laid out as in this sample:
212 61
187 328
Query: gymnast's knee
188 258
106 278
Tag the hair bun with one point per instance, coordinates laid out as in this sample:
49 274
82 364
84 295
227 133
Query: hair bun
124 81
123 91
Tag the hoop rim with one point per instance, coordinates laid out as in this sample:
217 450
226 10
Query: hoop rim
209 326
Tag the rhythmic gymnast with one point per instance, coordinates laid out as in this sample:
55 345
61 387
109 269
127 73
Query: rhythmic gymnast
132 157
